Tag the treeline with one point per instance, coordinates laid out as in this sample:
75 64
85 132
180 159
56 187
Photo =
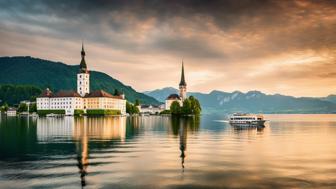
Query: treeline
13 94
191 106
132 108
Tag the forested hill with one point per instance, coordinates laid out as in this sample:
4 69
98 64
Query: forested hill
59 76
14 94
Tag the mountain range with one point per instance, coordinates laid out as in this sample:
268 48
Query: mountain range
254 102
25 70
59 76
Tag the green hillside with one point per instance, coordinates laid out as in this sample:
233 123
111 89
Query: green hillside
14 94
59 76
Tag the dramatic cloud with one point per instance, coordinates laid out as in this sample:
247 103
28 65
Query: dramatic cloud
274 46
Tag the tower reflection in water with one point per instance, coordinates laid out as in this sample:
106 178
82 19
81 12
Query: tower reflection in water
81 130
181 126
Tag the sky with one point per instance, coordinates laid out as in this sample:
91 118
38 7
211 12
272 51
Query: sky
286 47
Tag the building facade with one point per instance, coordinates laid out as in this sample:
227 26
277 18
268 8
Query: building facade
103 100
69 101
182 92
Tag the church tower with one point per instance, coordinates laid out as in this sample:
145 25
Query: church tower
83 77
183 85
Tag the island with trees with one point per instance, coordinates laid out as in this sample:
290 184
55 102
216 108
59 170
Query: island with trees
190 106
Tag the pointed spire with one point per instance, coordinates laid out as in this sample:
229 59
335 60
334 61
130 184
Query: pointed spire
182 82
82 65
82 52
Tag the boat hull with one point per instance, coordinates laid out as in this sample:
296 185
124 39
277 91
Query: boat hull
257 123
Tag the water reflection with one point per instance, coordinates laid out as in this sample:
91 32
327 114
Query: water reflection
240 131
76 128
81 136
164 152
102 128
180 127
81 130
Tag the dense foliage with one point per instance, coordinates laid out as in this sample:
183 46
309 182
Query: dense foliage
13 94
45 112
4 107
165 112
102 112
59 76
191 106
78 112
33 107
137 102
175 108
131 108
22 107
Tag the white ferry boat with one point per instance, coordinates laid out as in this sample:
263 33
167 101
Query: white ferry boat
249 120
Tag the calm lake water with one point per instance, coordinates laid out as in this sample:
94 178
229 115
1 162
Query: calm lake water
292 151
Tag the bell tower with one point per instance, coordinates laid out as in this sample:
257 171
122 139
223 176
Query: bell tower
83 77
183 85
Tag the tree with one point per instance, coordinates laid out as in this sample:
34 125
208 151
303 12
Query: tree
165 112
137 102
5 107
197 111
32 107
186 108
22 107
175 108
135 110
116 92
33 99
131 109
195 106
128 107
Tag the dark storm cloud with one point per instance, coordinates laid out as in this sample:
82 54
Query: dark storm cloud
258 37
84 20
247 16
182 46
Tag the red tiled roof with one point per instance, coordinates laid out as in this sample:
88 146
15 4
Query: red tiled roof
66 94
46 93
101 93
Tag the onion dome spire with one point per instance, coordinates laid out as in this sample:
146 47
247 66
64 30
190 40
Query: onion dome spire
182 82
82 65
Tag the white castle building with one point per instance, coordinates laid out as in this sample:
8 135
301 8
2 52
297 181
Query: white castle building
182 92
69 101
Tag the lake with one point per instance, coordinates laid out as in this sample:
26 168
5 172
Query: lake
292 151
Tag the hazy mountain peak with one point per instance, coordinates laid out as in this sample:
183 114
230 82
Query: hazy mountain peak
255 101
